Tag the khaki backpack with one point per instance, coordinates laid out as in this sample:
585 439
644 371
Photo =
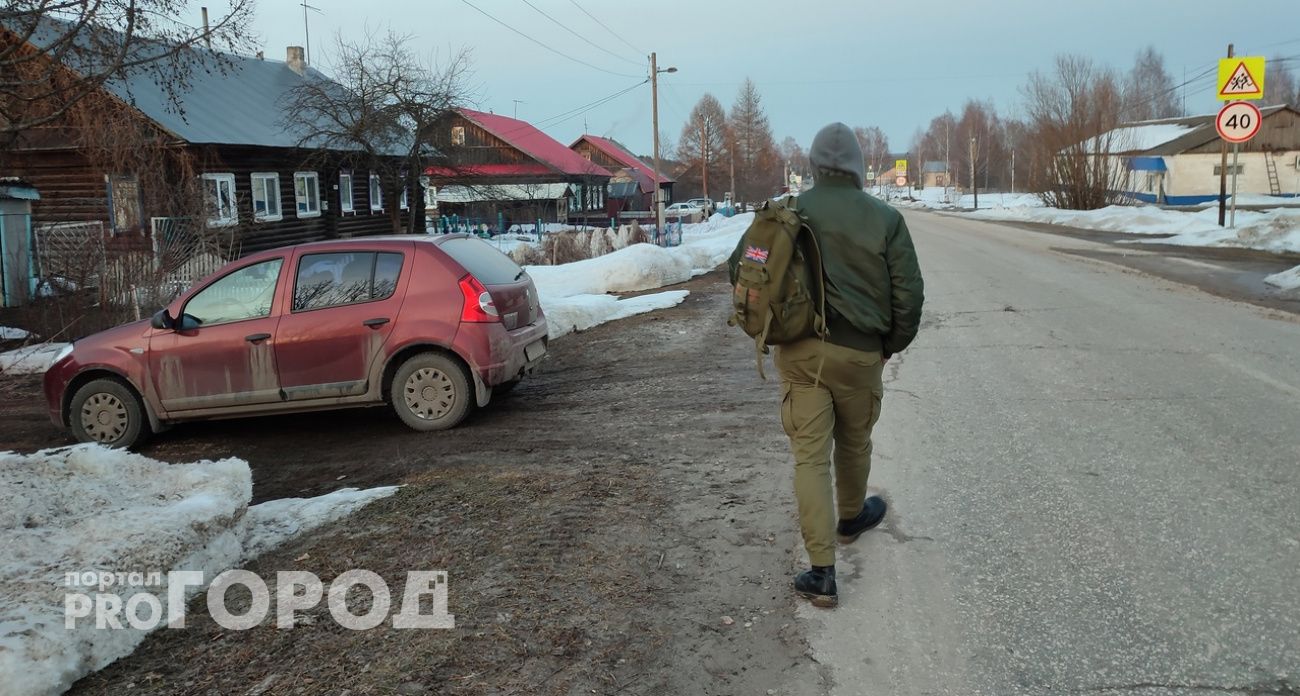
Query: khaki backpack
778 291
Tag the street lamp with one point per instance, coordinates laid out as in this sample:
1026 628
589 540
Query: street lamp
654 106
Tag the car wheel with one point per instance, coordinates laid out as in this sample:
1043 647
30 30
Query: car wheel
109 413
432 392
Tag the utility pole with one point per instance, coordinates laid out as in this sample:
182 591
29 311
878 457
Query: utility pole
1223 171
654 107
734 195
974 185
704 156
1013 171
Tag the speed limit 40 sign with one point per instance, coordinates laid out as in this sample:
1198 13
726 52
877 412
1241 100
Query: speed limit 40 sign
1238 122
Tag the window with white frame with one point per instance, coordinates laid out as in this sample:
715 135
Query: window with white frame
376 193
306 193
219 196
345 192
458 135
402 201
266 197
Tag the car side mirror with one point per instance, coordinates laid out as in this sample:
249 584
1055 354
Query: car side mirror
162 320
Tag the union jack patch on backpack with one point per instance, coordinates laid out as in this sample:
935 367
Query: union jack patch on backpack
756 254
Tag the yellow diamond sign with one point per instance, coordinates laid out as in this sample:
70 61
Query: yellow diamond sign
1241 78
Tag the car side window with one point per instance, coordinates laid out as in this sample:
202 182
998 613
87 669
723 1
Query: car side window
343 278
244 294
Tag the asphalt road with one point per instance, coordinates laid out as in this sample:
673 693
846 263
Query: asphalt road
1095 486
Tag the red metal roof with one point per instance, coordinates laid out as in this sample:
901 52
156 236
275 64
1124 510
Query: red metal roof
615 149
524 137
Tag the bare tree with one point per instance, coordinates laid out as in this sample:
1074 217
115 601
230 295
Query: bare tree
1071 114
758 165
1279 84
56 53
875 148
384 106
1149 91
793 154
703 145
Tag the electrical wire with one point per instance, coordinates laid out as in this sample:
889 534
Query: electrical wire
611 31
580 36
539 43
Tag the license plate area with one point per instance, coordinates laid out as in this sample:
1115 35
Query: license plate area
535 350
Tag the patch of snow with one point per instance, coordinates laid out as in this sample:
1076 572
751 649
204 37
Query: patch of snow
9 333
88 509
274 522
581 312
1287 280
29 360
1270 230
1138 137
574 295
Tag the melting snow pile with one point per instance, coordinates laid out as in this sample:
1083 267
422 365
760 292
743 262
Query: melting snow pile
1287 280
86 509
1269 230
29 359
9 333
574 297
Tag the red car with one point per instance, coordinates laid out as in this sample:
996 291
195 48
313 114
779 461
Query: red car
432 325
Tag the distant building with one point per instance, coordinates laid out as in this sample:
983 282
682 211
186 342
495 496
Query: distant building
1176 161
507 171
632 186
935 174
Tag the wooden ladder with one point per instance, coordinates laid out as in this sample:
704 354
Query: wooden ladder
1274 186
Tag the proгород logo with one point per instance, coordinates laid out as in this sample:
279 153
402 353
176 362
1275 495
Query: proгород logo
102 599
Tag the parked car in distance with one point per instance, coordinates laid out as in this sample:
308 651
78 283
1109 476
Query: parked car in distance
704 204
433 325
683 209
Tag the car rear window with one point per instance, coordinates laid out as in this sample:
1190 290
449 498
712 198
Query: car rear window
481 259
329 280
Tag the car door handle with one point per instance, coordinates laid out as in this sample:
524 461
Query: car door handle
376 322
256 338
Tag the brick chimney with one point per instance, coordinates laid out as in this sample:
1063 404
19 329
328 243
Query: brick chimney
296 61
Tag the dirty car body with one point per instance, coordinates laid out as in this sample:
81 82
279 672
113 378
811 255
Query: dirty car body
432 325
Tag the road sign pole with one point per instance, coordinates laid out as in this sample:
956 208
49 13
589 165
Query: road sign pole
1232 219
1223 169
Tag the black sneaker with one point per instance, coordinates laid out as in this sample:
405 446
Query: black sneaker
873 511
818 586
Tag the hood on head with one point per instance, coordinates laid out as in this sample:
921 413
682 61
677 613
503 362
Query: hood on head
837 149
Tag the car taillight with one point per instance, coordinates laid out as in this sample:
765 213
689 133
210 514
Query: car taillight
479 306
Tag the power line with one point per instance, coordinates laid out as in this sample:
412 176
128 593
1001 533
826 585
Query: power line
539 43
580 36
611 31
572 113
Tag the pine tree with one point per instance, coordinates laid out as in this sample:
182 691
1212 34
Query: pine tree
757 162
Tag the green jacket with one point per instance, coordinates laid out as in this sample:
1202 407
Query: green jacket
874 289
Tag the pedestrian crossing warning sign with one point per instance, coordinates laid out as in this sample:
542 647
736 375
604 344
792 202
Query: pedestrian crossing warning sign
1241 78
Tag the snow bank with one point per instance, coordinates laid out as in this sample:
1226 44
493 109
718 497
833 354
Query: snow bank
29 360
574 295
1270 230
88 509
946 199
9 333
1287 280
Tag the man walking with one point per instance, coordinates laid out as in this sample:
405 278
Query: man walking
831 390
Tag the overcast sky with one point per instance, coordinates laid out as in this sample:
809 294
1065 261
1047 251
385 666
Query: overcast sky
864 62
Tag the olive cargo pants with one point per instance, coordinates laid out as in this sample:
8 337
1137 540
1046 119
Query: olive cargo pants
842 407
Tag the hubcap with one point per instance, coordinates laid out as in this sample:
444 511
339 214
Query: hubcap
104 418
429 394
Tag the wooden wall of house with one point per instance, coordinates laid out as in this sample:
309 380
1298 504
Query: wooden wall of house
598 156
242 162
480 146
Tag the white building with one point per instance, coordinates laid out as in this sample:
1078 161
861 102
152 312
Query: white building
1176 161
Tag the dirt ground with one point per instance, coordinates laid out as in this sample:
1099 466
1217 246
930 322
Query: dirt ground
622 524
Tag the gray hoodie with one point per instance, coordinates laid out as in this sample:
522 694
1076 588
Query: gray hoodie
837 149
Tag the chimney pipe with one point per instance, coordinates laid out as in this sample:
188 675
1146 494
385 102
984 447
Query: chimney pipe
207 33
295 59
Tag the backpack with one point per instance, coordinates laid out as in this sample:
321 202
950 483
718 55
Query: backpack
778 290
